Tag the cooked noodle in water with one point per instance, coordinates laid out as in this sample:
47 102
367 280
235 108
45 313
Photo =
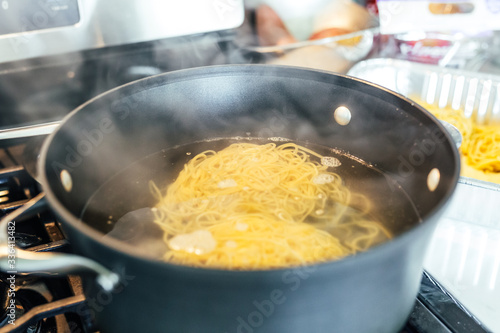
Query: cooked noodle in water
252 206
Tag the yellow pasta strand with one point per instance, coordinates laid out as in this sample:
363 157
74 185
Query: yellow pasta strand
481 143
264 206
456 118
483 151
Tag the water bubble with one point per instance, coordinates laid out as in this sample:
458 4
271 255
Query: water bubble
330 161
231 244
278 139
226 183
197 242
323 178
241 226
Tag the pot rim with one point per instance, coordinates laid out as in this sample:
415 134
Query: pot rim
267 70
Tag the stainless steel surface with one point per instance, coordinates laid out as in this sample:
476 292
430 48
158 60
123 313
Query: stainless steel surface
28 131
117 22
464 252
483 196
14 261
477 94
30 155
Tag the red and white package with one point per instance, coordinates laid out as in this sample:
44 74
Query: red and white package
470 16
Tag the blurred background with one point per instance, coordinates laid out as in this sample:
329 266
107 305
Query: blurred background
54 55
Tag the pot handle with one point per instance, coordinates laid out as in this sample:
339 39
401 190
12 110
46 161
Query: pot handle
454 132
15 261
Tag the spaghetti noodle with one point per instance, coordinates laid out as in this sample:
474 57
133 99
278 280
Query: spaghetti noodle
480 147
264 206
483 150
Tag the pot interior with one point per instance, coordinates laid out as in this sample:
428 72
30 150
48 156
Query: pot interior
113 146
121 207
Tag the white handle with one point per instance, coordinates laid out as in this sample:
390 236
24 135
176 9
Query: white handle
28 131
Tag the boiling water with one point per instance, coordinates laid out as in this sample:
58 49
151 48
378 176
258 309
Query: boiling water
121 208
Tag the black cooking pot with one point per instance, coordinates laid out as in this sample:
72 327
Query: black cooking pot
96 168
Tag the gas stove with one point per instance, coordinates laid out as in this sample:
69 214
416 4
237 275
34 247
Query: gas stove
38 301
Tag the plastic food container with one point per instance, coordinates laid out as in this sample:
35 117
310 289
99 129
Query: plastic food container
464 253
336 52
475 94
